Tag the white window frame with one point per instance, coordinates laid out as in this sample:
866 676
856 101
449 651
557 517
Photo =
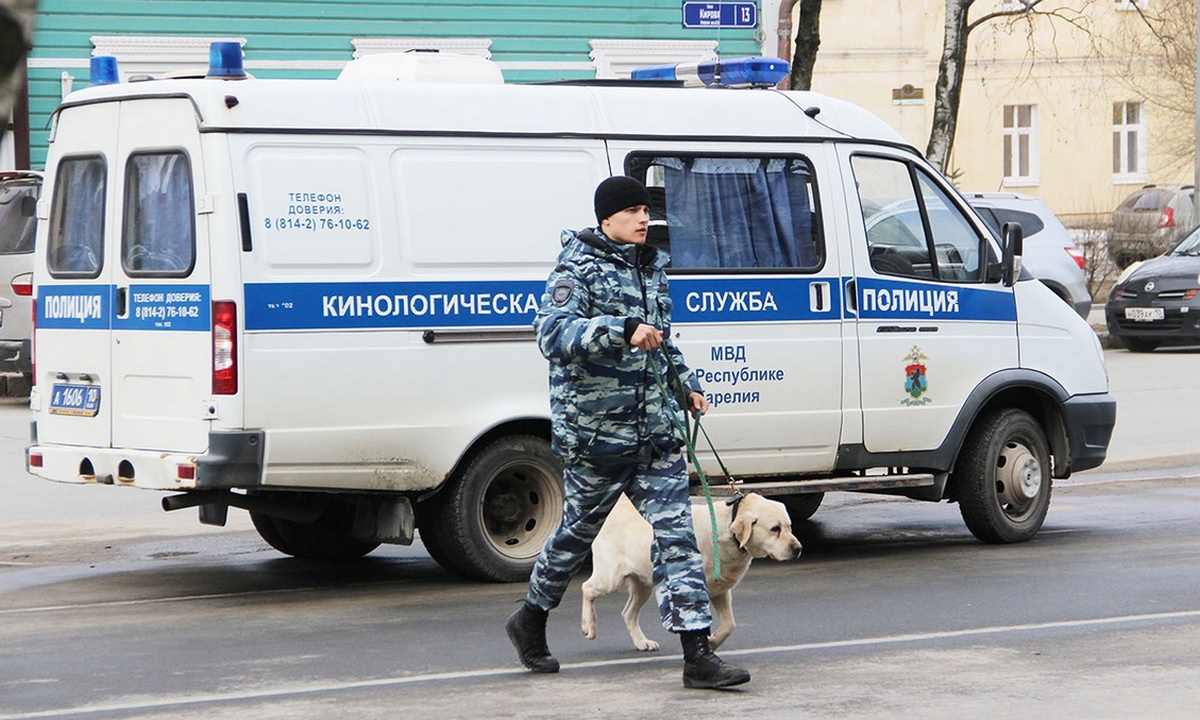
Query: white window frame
478 47
1122 132
618 58
157 55
1013 135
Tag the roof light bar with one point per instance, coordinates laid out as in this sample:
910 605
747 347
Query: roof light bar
102 70
747 71
225 61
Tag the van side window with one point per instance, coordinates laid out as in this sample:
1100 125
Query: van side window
76 244
158 236
913 228
733 212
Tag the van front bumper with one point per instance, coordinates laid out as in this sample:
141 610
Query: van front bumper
234 459
1089 422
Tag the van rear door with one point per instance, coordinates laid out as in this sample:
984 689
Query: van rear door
74 298
161 327
123 328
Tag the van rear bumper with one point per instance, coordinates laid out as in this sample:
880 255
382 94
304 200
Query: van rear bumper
234 460
1089 422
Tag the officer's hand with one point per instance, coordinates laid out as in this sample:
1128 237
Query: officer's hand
697 401
646 337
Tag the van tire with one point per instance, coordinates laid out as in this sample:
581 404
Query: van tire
327 538
801 507
498 510
1002 479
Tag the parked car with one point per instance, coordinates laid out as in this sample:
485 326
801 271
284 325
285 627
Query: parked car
1050 254
1157 302
19 192
1149 221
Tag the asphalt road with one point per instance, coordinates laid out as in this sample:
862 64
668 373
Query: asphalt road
111 609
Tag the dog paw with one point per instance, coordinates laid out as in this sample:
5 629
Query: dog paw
589 632
646 645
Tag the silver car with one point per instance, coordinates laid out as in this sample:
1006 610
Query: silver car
19 193
1150 220
1050 255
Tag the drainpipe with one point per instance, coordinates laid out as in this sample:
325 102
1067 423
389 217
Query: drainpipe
784 47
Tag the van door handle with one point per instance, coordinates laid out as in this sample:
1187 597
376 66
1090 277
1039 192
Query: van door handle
852 295
122 301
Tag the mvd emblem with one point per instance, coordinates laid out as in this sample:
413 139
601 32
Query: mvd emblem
915 382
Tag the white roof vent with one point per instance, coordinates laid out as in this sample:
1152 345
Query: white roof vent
423 66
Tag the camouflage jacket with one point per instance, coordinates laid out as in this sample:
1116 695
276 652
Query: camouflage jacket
604 398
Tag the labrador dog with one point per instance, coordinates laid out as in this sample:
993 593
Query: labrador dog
754 527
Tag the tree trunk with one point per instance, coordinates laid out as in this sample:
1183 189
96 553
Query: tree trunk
808 39
949 84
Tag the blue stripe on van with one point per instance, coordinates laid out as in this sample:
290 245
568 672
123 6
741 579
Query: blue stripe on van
148 307
917 300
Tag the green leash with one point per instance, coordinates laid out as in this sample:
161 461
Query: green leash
689 440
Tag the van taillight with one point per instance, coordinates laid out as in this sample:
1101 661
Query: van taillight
224 348
23 284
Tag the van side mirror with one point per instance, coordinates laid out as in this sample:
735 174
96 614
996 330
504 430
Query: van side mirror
1013 237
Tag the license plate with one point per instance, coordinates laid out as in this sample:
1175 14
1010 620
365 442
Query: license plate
1144 314
82 400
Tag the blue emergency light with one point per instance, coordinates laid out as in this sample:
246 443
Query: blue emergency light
103 70
752 71
225 61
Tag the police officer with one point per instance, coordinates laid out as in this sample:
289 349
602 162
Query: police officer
606 309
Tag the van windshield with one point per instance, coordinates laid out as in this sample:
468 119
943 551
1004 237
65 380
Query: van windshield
733 212
18 221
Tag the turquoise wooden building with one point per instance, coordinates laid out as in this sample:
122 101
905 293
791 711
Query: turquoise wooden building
531 40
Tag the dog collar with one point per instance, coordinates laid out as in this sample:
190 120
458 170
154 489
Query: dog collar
734 502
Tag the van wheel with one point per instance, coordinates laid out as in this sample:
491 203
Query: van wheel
327 538
498 511
1002 479
801 507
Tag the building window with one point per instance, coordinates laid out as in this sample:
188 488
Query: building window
1020 145
1129 143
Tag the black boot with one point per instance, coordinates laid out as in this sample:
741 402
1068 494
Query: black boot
527 630
701 666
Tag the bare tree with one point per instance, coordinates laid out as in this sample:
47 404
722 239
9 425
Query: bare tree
1165 42
952 65
808 39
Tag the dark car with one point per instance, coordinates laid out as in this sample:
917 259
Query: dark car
1156 302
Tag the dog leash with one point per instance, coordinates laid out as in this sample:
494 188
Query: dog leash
689 440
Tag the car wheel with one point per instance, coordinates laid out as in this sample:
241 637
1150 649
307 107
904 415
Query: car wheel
1002 478
1139 346
498 511
801 507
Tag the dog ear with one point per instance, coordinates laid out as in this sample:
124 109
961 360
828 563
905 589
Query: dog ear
742 527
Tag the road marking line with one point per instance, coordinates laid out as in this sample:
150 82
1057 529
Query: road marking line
308 689
153 601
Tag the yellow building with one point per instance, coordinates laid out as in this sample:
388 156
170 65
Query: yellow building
1065 108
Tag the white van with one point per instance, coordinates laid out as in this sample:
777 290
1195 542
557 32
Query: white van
312 300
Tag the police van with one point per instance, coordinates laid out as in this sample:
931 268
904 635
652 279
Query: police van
312 300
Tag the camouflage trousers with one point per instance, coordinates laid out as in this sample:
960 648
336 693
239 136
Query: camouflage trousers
659 490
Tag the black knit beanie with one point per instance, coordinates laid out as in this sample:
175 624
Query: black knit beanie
617 193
